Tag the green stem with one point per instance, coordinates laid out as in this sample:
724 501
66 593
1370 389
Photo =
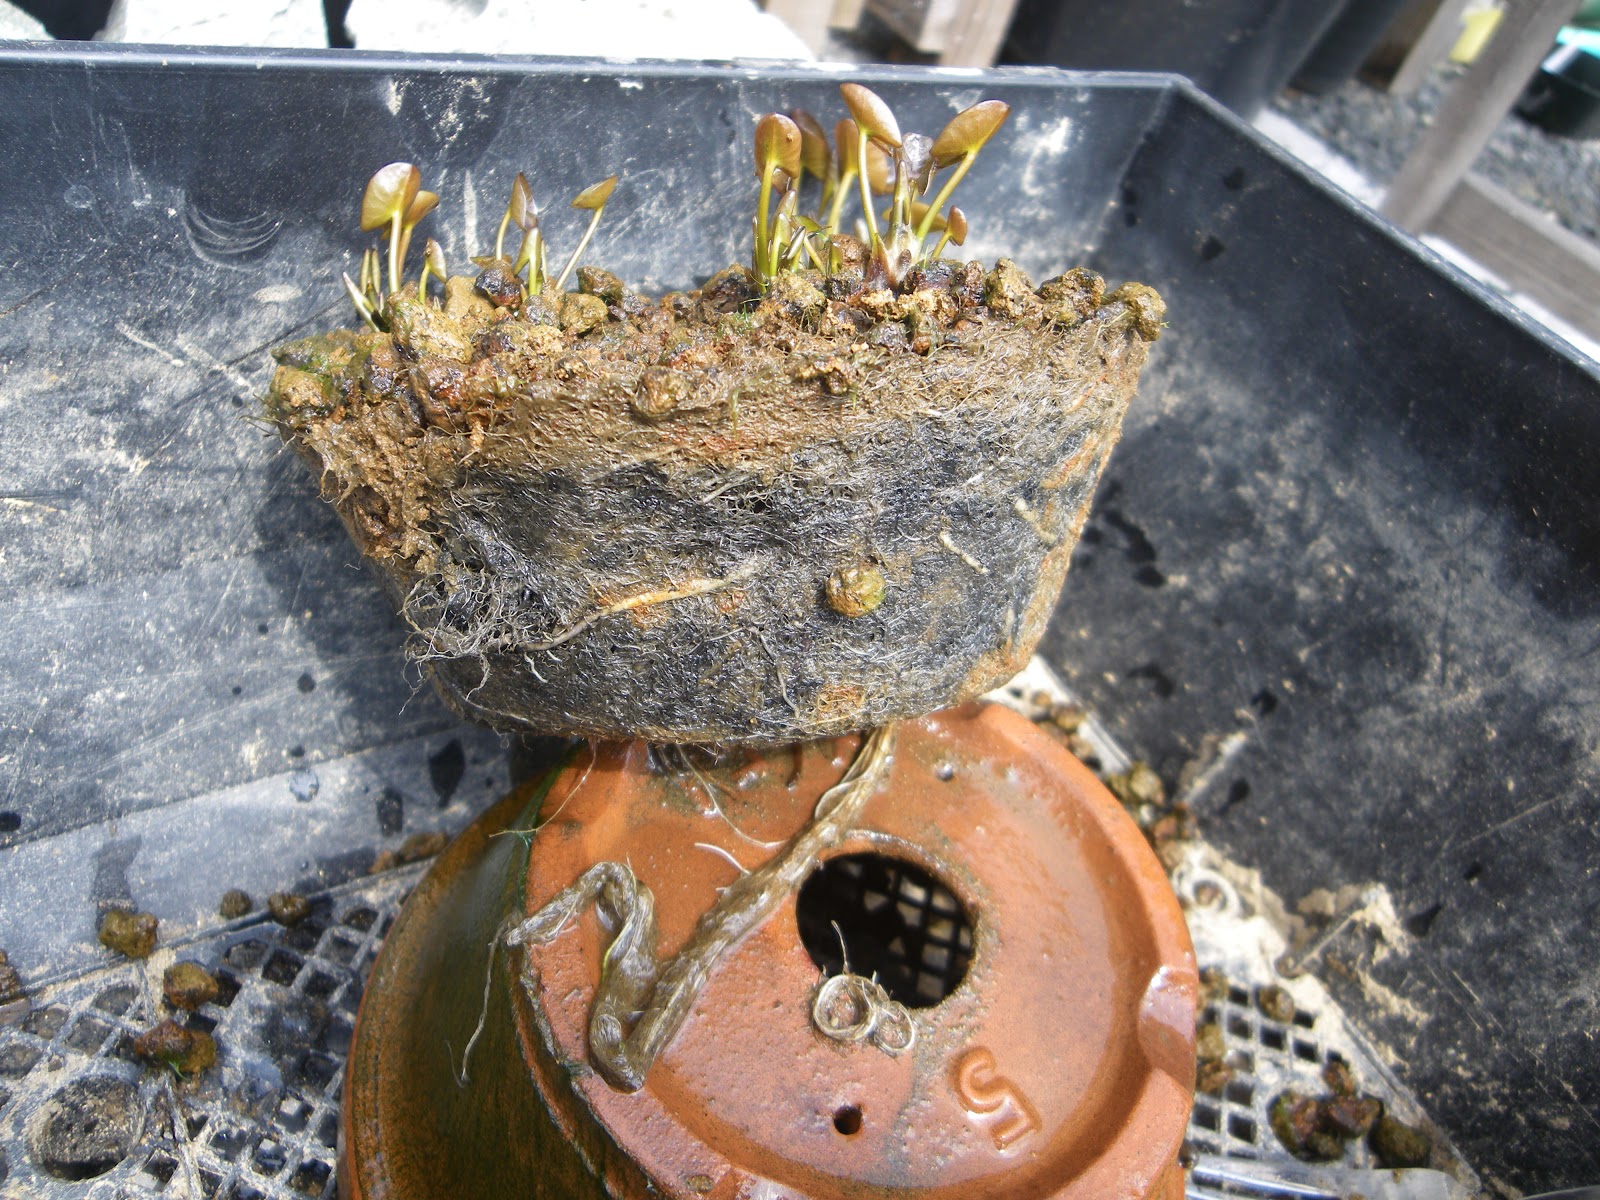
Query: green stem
359 301
839 193
763 233
500 238
902 192
944 194
866 186
582 245
394 254
405 242
525 255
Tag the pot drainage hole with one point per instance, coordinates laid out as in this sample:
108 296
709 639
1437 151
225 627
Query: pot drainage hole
896 921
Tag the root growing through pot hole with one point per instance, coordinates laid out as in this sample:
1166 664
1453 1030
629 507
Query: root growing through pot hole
853 1008
641 1001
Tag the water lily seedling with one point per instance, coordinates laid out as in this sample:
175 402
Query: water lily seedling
520 210
778 143
959 143
592 198
395 199
869 150
955 230
432 260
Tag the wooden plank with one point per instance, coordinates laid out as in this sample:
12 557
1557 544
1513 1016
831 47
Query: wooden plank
1524 247
924 24
1407 28
1429 47
846 14
977 32
963 33
1468 117
808 18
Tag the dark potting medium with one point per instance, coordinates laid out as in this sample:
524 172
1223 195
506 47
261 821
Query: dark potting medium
721 517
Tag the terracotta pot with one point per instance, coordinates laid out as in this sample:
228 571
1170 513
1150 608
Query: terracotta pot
1059 1064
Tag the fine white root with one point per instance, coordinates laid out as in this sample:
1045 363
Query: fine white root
694 587
1020 507
724 855
949 544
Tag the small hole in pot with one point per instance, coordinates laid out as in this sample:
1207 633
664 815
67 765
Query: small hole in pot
847 1120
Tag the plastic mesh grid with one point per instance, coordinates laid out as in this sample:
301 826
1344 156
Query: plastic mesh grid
263 1125
1267 1057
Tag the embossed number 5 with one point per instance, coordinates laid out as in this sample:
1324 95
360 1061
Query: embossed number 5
984 1093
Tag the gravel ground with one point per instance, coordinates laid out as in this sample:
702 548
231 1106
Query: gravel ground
1376 130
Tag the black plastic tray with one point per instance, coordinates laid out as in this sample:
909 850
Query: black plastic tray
1356 514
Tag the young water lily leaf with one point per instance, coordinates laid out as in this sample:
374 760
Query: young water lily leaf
423 204
363 305
432 262
518 208
594 199
371 271
595 196
815 155
958 144
968 130
919 210
958 226
389 195
872 115
531 246
523 211
777 145
372 276
917 160
845 136
880 171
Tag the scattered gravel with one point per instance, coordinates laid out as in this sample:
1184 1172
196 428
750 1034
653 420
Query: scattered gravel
1376 131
